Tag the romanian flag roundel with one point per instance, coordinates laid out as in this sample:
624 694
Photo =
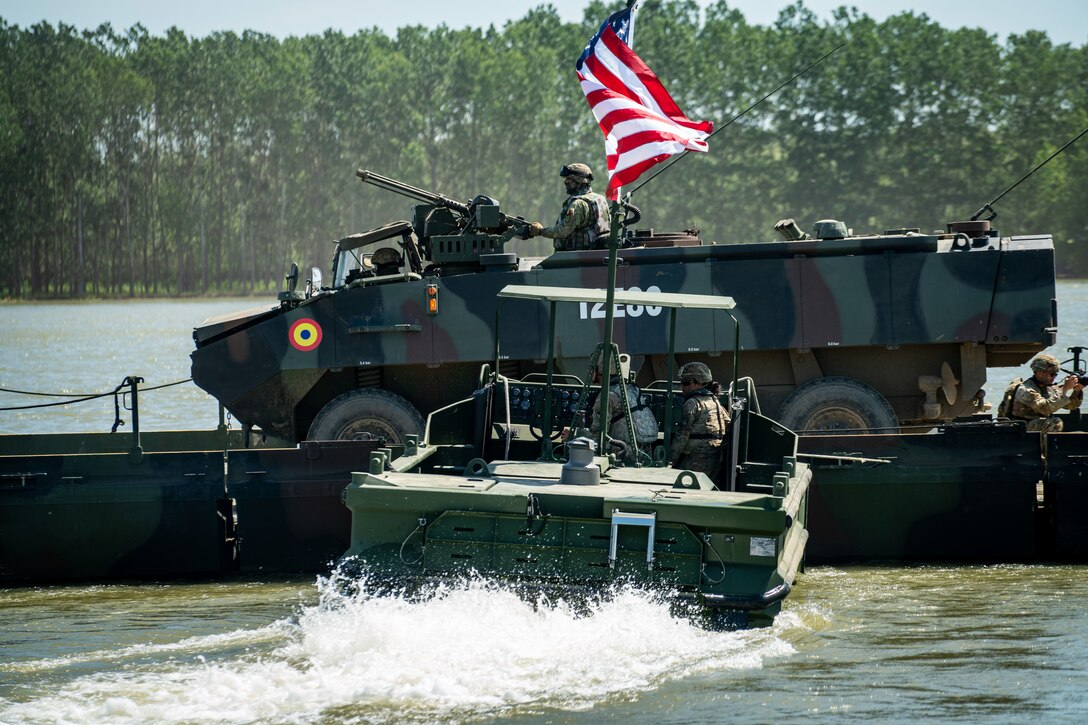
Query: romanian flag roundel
305 334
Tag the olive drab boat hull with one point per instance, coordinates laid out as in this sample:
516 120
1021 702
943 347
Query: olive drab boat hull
967 493
1065 497
734 556
841 332
975 492
726 546
970 492
183 504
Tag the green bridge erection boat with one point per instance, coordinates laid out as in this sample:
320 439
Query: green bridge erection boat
731 548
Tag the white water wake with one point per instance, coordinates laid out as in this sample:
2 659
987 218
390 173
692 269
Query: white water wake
465 652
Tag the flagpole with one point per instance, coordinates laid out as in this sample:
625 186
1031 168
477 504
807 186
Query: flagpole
616 217
616 214
632 5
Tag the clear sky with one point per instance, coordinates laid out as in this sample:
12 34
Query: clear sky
1065 21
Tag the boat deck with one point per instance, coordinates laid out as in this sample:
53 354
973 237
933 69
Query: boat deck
517 477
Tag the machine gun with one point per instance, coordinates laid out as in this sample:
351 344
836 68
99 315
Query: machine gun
1078 365
452 233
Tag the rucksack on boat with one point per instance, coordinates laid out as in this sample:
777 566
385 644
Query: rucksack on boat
1004 408
645 423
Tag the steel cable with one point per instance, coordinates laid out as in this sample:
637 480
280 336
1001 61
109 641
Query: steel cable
77 397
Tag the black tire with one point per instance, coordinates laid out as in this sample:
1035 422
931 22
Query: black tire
369 410
838 404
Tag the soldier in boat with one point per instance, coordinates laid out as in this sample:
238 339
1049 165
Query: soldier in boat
1038 398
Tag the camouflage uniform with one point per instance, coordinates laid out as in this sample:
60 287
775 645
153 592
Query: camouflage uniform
618 427
703 424
1037 403
582 222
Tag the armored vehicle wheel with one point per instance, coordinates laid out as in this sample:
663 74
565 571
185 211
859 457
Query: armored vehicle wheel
839 404
368 410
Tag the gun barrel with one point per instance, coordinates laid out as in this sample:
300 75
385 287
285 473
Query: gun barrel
399 187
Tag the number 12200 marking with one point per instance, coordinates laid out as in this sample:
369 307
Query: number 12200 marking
596 312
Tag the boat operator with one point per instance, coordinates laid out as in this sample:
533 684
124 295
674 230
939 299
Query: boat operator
703 423
583 221
1038 398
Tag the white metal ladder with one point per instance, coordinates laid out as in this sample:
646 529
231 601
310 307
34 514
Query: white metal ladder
619 518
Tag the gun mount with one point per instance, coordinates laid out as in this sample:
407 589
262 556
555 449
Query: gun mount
455 237
841 331
1078 364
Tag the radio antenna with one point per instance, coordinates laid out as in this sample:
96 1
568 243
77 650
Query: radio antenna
989 207
780 86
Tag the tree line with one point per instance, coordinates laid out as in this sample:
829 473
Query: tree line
139 164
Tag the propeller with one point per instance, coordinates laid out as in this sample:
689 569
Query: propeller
948 383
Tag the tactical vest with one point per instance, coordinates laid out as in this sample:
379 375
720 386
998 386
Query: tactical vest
598 227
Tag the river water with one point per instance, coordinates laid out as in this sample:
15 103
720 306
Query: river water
867 643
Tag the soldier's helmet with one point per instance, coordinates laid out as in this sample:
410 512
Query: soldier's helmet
577 170
385 255
696 371
1045 363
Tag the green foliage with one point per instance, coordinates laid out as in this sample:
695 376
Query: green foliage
168 165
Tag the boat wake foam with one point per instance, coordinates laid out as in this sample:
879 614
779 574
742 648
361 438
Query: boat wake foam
461 651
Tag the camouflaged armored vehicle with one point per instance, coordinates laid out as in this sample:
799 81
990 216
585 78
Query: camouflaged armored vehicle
840 331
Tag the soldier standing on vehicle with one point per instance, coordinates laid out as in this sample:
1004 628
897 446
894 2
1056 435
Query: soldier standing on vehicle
1038 398
583 221
698 443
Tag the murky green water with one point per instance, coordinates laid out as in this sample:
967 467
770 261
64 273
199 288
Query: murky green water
972 644
930 644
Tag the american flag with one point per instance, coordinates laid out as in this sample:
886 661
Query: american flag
642 124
